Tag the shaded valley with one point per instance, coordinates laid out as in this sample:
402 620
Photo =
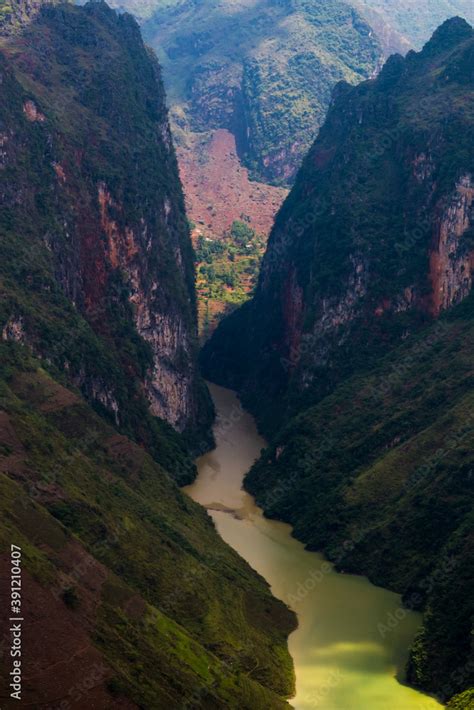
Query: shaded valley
361 330
326 258
130 598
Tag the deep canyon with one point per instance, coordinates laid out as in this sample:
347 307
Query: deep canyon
350 647
278 191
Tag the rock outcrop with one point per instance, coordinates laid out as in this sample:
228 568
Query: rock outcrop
451 259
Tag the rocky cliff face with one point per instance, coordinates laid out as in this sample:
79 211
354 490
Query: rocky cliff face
356 351
83 109
375 238
122 572
451 260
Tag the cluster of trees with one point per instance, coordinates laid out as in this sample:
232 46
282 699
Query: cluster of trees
229 262
227 269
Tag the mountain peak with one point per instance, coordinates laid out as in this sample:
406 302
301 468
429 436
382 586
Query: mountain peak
448 35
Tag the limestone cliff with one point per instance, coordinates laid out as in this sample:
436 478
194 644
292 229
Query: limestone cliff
451 259
83 111
375 238
356 351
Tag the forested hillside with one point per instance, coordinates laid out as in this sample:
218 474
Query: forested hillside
263 70
361 331
382 479
130 597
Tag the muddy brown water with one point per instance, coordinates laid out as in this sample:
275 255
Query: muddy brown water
352 640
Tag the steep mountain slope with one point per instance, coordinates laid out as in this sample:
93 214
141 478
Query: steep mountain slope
91 184
412 22
372 440
262 70
130 598
380 475
374 239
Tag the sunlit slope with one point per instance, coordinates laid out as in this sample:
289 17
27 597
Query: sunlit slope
132 577
260 69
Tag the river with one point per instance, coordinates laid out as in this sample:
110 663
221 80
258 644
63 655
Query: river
352 639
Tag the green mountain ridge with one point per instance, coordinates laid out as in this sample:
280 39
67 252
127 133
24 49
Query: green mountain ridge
262 70
361 330
130 597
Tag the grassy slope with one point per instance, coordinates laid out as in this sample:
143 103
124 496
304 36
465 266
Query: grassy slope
382 480
205 618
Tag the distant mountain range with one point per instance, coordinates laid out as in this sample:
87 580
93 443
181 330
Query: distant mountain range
413 22
265 70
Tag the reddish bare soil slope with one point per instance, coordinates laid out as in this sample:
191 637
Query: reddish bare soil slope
218 189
